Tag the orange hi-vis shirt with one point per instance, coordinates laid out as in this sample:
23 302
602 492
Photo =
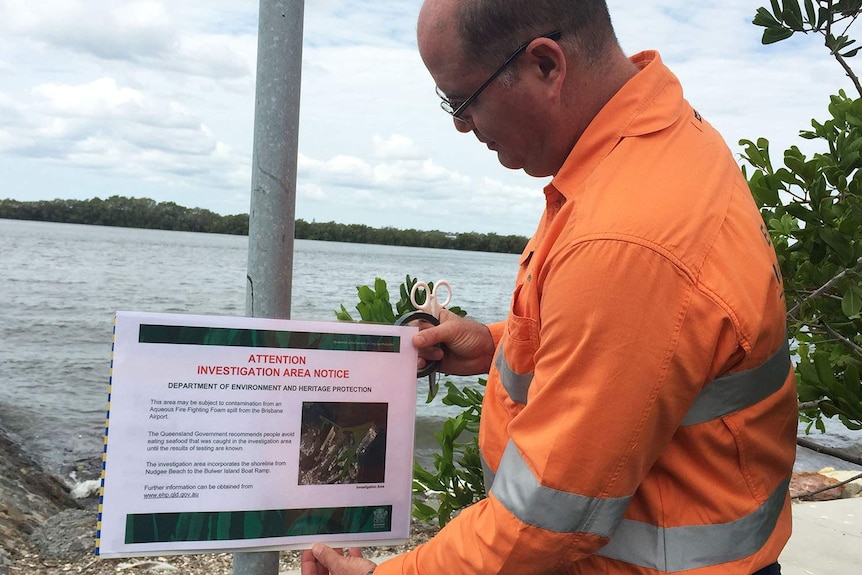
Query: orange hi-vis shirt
640 416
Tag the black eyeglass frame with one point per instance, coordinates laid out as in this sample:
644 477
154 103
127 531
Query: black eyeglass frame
456 112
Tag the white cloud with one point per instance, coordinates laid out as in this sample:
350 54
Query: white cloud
396 146
156 98
100 98
107 127
145 33
398 189
106 29
214 56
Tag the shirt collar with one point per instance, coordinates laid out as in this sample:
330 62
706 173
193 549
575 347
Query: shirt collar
649 102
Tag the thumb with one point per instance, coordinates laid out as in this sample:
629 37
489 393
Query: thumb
335 563
432 335
325 555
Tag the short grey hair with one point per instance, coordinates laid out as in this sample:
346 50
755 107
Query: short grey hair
489 29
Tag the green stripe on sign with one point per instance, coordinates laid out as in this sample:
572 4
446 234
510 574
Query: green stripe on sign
237 525
235 337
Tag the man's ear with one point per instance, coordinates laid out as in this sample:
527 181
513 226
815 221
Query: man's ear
547 65
549 58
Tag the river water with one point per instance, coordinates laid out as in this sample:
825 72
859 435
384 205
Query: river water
60 285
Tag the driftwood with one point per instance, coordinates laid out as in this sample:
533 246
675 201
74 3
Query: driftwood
842 454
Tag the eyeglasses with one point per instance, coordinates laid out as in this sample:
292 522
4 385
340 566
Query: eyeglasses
455 109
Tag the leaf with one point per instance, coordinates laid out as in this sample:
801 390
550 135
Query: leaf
764 18
788 177
765 194
851 425
811 12
851 304
773 35
751 153
825 370
823 16
828 408
852 378
343 314
792 14
801 212
365 294
808 393
776 7
809 375
364 310
457 310
839 243
380 290
422 512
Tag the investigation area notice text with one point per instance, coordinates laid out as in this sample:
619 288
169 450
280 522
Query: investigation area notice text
243 434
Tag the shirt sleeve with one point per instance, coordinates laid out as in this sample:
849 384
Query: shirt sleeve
497 330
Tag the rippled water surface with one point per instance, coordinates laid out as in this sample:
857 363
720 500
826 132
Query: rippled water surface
60 285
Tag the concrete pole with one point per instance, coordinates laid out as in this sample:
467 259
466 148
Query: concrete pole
273 186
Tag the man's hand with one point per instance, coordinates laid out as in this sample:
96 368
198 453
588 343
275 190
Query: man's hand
323 560
469 347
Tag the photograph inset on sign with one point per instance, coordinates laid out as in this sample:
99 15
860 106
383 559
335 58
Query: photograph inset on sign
342 443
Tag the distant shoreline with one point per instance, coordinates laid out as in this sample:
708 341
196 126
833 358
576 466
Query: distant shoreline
144 213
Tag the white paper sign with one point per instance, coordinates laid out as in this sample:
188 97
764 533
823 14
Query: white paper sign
229 433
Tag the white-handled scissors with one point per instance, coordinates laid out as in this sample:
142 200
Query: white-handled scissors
428 311
432 305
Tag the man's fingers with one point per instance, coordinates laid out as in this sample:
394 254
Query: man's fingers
430 354
309 565
431 336
329 561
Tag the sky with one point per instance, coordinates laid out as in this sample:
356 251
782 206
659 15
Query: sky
155 98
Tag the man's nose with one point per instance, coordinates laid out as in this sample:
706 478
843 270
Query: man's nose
463 124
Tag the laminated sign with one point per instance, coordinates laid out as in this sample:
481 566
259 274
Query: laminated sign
244 434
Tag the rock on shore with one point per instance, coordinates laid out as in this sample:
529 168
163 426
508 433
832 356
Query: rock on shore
29 497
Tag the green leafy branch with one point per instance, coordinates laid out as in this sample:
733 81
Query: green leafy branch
456 479
812 208
375 307
812 212
819 16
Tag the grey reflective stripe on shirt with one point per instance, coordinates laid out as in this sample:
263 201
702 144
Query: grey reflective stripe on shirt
487 473
668 549
723 395
672 549
516 385
518 490
737 391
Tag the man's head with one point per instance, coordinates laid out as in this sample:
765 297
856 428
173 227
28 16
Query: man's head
525 76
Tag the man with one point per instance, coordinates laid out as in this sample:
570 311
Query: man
640 413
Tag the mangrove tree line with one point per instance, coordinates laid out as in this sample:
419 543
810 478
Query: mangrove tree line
146 213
